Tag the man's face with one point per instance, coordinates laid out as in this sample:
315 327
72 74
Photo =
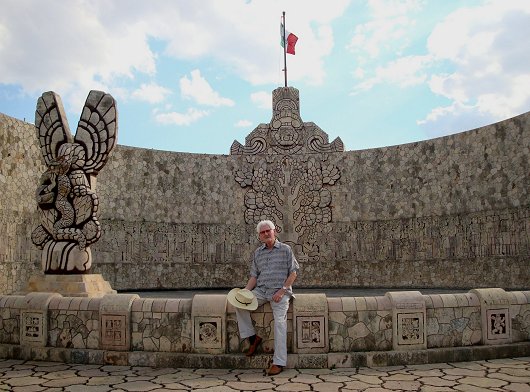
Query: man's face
267 235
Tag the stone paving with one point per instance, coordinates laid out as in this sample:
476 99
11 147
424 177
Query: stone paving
492 375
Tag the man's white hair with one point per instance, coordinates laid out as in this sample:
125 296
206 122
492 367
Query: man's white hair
265 223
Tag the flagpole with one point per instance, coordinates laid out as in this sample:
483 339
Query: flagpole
284 50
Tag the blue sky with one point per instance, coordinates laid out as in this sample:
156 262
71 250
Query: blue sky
193 76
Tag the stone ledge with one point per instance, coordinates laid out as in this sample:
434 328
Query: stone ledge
239 361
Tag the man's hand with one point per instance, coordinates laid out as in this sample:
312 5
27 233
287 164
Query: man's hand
277 297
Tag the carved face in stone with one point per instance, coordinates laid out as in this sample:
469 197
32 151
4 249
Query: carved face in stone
285 137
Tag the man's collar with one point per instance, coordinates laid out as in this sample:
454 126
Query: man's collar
276 244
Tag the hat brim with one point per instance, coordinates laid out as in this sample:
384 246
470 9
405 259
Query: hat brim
231 297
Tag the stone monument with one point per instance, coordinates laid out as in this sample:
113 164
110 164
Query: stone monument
288 176
66 196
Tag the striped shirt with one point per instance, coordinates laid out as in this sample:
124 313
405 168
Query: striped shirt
271 267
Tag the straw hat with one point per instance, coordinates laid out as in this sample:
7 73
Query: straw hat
242 299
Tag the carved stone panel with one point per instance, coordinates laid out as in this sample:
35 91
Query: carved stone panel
294 193
495 315
287 176
410 328
497 328
409 318
208 312
115 321
311 332
208 332
114 331
310 324
33 328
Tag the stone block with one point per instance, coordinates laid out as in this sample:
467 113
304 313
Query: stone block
208 314
340 360
416 357
495 315
80 356
449 300
312 361
96 357
34 319
383 303
409 330
377 358
359 360
75 285
141 358
115 321
371 303
310 324
440 355
348 304
116 358
462 354
334 304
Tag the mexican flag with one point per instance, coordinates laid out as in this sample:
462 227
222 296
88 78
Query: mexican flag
290 38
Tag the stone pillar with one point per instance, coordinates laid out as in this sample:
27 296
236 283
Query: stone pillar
34 319
495 315
408 320
115 319
208 315
310 324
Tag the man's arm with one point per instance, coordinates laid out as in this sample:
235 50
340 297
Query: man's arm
290 279
251 283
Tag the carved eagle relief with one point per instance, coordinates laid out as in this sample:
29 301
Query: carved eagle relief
66 194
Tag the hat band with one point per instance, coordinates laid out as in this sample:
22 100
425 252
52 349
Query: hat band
244 303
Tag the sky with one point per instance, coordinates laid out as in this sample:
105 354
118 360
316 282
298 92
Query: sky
193 76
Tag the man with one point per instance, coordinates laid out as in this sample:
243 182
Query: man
272 273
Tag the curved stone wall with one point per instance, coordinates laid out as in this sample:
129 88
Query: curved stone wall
449 212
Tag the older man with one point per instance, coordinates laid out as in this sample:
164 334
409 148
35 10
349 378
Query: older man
272 273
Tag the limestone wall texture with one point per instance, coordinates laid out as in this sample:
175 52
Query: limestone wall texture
448 212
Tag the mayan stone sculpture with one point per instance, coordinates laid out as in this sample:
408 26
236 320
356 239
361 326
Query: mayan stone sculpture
287 175
66 197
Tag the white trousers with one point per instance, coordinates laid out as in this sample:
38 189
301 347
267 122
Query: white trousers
279 311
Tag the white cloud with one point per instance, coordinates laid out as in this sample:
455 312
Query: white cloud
152 93
78 45
387 31
191 116
245 36
69 46
456 117
198 89
476 58
488 50
262 99
403 72
243 124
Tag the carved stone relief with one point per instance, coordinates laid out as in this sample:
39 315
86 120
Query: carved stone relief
287 175
497 323
474 235
410 328
66 197
208 331
311 331
113 331
32 327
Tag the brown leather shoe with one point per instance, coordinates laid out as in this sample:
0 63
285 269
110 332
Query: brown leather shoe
274 370
253 347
